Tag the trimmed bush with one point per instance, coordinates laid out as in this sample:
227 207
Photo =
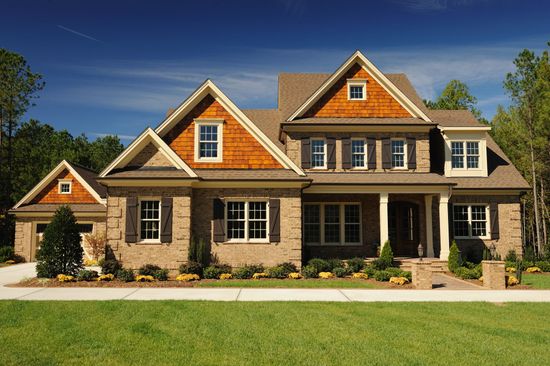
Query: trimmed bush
246 272
356 264
277 272
335 263
191 268
382 276
511 256
148 270
110 266
310 271
161 274
543 265
454 261
340 272
126 275
379 264
469 273
6 254
60 250
288 267
320 265
86 275
386 256
370 271
216 270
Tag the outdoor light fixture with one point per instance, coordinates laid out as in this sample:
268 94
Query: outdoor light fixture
420 251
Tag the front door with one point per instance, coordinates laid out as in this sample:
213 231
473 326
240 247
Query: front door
403 228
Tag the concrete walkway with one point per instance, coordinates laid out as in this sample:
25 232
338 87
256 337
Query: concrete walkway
18 272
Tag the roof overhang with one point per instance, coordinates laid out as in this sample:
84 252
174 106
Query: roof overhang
377 188
473 129
346 127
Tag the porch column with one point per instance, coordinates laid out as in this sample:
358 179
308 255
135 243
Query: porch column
429 228
384 235
444 226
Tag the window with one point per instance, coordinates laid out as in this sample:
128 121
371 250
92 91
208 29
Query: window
332 223
465 154
470 221
209 141
318 153
85 228
247 221
149 219
398 159
358 153
65 187
357 90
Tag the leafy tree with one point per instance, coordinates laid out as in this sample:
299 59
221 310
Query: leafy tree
456 96
60 250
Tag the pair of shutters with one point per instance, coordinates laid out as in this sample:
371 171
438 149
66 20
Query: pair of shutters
493 216
166 214
346 153
331 153
411 153
274 220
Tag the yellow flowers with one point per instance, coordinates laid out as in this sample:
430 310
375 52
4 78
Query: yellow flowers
90 262
326 275
259 275
533 270
512 281
510 269
106 277
142 278
399 280
65 278
187 277
359 275
226 276
294 276
10 261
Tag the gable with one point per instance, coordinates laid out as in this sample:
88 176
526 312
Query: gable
50 193
150 156
240 149
378 102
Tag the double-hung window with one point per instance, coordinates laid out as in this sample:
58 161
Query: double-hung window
470 221
465 154
208 141
358 153
149 220
318 153
398 156
247 221
332 223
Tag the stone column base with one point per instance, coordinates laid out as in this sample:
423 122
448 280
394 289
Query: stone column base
422 275
494 276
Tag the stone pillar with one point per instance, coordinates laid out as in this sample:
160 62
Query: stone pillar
444 226
494 276
384 233
422 275
429 228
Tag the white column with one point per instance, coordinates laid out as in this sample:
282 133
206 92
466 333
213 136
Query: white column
444 226
429 228
384 234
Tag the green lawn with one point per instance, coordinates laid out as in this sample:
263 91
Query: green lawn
539 281
272 333
273 283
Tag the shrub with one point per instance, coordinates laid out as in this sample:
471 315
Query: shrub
277 272
126 275
386 256
310 271
468 273
288 267
369 270
199 252
86 275
379 264
320 265
161 274
511 281
191 268
148 270
6 254
96 242
335 263
382 276
110 266
511 256
398 272
340 272
356 264
543 265
60 250
246 272
454 261
214 271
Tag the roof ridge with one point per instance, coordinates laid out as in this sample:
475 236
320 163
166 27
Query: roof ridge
81 166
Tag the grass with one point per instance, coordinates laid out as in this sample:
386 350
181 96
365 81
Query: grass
272 333
273 283
537 281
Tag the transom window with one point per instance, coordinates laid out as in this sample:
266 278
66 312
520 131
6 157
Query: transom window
247 221
470 221
65 187
357 90
318 153
465 154
358 153
398 154
209 141
149 219
332 223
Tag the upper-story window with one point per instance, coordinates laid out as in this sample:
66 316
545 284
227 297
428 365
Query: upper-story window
208 141
65 187
358 153
318 153
465 154
398 155
357 89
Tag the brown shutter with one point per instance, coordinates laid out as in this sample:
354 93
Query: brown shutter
274 220
306 153
131 219
386 153
331 153
451 222
219 220
371 153
166 220
411 153
495 234
346 153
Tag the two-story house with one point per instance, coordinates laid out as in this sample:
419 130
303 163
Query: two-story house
347 161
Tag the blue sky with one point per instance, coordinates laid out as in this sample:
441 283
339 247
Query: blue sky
117 66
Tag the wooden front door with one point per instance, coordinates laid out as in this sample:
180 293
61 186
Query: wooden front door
403 228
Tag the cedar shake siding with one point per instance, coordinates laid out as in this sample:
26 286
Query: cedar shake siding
51 194
150 156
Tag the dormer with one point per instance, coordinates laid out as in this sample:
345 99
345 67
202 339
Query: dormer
465 151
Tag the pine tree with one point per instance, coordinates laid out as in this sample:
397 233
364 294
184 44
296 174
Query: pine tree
60 251
454 261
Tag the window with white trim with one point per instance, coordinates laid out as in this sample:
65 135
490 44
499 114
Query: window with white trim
149 220
247 221
332 223
470 221
208 141
357 90
65 187
465 154
318 153
398 155
358 153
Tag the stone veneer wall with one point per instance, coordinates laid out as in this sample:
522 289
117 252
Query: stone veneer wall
134 255
289 249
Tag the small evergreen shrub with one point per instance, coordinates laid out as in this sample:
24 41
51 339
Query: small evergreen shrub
335 263
379 264
543 265
310 271
356 264
320 265
215 270
199 252
454 261
126 275
86 275
277 272
340 272
382 276
161 274
386 256
110 266
148 270
6 254
191 267
288 267
511 256
246 272
469 274
370 271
